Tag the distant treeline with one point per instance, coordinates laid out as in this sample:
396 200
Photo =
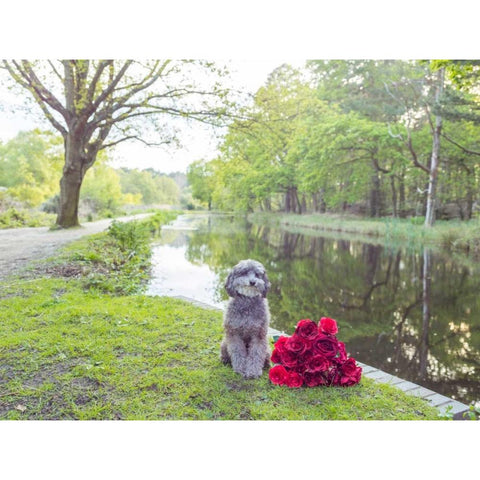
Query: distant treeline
354 136
30 171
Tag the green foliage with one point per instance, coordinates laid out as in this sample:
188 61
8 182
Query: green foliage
30 166
101 189
15 218
200 179
355 137
131 237
151 187
30 170
154 222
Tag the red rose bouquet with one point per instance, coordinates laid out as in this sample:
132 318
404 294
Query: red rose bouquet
313 356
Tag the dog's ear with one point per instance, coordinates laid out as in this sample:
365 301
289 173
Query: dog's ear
229 285
267 285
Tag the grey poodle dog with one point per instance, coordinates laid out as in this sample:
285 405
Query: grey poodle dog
245 345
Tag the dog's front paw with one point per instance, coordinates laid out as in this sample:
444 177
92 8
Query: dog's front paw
240 369
253 373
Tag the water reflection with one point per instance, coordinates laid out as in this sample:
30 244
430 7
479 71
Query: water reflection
415 314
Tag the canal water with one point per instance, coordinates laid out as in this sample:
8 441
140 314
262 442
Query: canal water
412 313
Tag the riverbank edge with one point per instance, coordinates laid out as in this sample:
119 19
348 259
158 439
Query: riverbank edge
454 236
445 405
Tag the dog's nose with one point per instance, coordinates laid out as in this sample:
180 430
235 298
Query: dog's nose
252 283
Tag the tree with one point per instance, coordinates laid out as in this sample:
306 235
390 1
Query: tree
199 175
152 187
434 162
98 104
30 166
102 191
257 160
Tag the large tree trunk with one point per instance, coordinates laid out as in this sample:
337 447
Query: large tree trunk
70 185
394 197
433 177
401 193
291 200
375 196
76 165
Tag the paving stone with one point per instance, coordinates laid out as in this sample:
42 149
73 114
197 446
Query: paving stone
421 392
437 399
379 375
406 386
457 408
390 380
366 370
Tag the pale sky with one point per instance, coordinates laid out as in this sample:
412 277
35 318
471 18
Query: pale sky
199 142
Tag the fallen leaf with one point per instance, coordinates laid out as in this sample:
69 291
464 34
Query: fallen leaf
21 408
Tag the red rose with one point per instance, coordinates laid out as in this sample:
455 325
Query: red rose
317 363
333 376
297 345
325 345
294 380
314 379
281 341
289 359
278 375
353 379
348 367
275 357
342 351
348 373
302 362
307 329
278 349
328 326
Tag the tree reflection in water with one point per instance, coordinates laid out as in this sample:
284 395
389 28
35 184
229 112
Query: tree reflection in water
415 314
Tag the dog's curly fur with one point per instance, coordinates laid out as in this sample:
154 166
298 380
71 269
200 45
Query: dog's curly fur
245 344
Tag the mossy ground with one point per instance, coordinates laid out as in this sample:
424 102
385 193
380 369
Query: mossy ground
73 349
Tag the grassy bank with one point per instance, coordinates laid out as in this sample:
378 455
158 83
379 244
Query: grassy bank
73 348
21 218
453 235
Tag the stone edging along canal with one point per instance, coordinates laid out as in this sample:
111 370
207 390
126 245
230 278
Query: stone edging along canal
442 403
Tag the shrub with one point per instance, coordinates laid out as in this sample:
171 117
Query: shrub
131 237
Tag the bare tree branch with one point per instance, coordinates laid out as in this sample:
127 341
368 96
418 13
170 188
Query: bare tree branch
24 83
69 86
96 77
135 137
466 150
55 71
44 94
109 89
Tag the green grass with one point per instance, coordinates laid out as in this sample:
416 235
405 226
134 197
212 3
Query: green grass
75 349
68 354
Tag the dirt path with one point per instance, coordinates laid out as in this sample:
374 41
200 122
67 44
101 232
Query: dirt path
19 246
